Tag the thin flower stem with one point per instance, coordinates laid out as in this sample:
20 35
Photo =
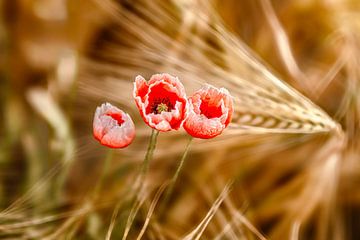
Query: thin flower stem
170 190
95 192
181 164
106 166
149 152
136 202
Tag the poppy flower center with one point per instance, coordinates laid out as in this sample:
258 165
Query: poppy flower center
160 105
210 111
117 117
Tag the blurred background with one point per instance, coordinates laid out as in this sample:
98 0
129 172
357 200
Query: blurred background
286 168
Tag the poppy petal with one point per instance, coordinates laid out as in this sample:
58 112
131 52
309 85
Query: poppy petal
112 127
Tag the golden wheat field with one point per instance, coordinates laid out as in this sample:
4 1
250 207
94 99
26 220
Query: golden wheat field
286 167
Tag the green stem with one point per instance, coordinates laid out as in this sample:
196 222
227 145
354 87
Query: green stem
149 152
170 189
181 164
139 183
107 163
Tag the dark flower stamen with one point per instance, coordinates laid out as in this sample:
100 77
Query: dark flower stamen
160 105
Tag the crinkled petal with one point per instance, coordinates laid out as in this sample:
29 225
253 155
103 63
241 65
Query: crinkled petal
161 86
108 131
140 87
210 112
120 136
201 127
171 80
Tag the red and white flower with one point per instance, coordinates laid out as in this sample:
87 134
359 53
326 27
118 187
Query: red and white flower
161 101
113 127
210 112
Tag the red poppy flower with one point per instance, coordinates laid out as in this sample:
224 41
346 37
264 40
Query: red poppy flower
161 101
112 127
210 112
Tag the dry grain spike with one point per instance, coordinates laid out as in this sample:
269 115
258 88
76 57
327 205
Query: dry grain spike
194 44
